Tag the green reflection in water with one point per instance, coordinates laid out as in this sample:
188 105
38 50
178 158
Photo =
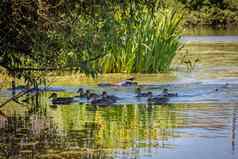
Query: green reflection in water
122 126
75 131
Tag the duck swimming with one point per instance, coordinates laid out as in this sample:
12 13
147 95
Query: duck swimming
101 101
165 93
61 100
109 97
89 95
140 94
157 100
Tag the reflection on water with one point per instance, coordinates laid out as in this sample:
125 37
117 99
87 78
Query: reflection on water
122 131
211 31
227 38
200 123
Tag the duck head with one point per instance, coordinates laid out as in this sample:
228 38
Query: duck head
90 95
104 94
80 90
165 91
53 95
138 90
87 93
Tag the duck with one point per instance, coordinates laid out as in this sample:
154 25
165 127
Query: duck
140 94
127 83
157 100
165 93
89 95
61 100
81 92
109 97
101 101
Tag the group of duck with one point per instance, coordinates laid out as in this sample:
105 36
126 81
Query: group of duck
105 99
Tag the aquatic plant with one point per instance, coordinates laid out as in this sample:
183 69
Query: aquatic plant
146 44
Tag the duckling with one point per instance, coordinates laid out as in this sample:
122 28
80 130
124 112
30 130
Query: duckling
89 95
165 93
140 94
109 97
157 100
60 100
101 101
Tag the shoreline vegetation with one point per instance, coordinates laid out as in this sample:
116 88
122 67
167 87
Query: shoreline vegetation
88 37
209 13
100 37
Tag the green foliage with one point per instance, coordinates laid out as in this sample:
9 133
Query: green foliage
214 13
86 36
146 44
56 35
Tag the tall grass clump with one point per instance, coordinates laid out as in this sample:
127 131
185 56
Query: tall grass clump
145 43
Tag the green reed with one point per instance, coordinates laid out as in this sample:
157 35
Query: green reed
145 44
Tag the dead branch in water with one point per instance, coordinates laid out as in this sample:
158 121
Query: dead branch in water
20 94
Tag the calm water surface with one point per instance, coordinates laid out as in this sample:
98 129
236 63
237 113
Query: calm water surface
200 123
208 38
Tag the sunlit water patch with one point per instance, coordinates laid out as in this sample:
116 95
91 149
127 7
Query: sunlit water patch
211 38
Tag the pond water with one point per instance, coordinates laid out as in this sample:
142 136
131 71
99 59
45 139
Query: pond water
201 122
208 38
